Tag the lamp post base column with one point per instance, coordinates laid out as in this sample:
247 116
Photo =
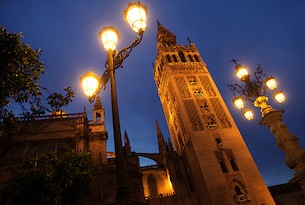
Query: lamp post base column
289 143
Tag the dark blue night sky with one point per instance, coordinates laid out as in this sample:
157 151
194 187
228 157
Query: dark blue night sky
266 32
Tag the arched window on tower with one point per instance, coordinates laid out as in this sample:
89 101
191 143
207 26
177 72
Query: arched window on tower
152 185
224 167
203 105
220 145
175 58
238 191
211 123
197 58
232 160
221 161
182 57
190 57
234 165
168 58
197 125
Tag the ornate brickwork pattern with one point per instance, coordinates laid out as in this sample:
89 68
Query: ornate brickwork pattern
178 114
203 106
180 121
217 107
192 80
193 115
191 109
220 113
170 90
207 85
185 93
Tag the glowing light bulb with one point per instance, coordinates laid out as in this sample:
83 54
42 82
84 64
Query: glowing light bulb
279 96
271 83
90 83
248 114
239 102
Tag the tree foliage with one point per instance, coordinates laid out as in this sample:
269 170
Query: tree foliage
20 70
50 179
57 100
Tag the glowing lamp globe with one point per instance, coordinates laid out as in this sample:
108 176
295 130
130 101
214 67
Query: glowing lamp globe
239 102
248 114
109 37
136 15
279 96
241 72
90 83
271 83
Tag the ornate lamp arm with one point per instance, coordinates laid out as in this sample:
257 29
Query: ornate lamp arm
247 90
102 85
251 89
118 57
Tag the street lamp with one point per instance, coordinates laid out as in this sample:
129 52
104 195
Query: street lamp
136 15
255 91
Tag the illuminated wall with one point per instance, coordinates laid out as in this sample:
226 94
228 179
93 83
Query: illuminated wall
156 182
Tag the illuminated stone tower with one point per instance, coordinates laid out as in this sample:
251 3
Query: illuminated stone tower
217 161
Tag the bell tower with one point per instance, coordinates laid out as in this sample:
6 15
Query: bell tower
203 132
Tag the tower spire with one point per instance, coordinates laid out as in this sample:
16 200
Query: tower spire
127 147
165 37
160 137
126 139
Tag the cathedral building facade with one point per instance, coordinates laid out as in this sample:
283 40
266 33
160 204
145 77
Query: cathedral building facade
205 161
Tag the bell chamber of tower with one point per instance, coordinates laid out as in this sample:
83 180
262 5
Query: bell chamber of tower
218 165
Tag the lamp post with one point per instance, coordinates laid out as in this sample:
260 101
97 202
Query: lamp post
255 91
135 14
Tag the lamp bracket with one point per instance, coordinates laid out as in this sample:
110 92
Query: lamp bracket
103 81
251 89
118 57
